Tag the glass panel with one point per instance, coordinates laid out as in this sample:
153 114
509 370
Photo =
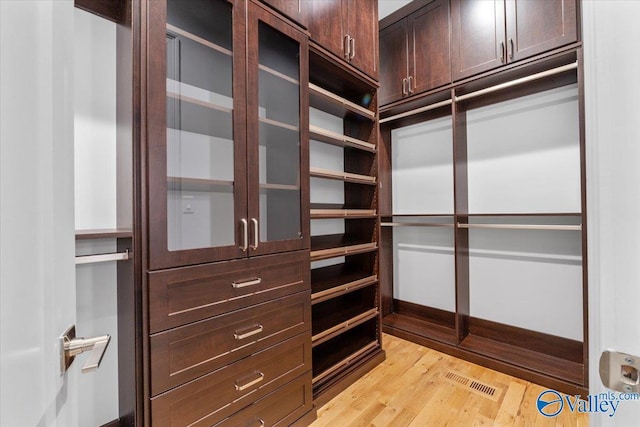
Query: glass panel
279 115
200 150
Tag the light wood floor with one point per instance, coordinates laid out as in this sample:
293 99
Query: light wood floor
412 388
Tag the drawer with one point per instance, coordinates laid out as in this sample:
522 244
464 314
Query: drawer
182 354
218 395
184 295
280 408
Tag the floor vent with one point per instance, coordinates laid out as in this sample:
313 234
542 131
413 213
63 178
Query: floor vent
474 386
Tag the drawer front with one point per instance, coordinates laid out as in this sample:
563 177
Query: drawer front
280 408
184 295
217 395
182 354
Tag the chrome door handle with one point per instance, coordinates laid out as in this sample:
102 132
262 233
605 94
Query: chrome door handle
404 87
251 282
409 84
352 48
502 52
250 383
256 234
511 52
70 347
346 45
255 329
245 235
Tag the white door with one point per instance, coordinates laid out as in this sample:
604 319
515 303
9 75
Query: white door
612 94
37 272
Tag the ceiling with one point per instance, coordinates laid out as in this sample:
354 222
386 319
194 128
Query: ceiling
387 7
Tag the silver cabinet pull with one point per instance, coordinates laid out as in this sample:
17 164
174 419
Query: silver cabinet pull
245 235
352 48
256 234
404 87
256 330
250 383
511 52
244 284
261 421
410 84
502 52
71 347
346 46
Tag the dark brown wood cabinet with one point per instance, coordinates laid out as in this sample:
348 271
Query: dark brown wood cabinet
290 8
228 133
416 52
348 29
488 34
228 306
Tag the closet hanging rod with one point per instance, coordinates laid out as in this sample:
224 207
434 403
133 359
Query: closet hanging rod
415 224
90 259
567 227
516 82
416 111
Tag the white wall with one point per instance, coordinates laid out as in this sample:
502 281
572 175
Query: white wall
387 7
95 207
612 63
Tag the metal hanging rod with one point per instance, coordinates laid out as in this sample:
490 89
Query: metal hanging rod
415 224
577 227
416 111
516 82
90 259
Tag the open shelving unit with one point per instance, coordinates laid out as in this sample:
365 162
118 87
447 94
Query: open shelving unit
483 216
344 225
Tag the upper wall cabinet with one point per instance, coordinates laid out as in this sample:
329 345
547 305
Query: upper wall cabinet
348 29
416 53
291 8
227 130
487 34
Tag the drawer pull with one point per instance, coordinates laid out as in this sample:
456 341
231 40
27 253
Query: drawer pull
238 285
261 422
250 383
257 330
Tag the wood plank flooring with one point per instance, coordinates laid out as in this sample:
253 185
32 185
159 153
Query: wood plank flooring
420 387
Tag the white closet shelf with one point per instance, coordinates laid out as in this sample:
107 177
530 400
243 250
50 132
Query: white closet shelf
342 176
199 102
324 99
278 74
339 140
198 39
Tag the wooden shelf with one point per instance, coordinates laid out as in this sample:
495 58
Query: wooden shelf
198 39
104 233
420 327
199 102
276 123
339 140
341 321
342 213
337 105
285 187
332 356
336 245
337 280
175 183
278 74
343 176
563 369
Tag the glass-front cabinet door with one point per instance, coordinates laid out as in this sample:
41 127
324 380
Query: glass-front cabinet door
277 135
197 132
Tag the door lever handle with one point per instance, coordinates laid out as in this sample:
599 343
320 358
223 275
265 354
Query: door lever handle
70 347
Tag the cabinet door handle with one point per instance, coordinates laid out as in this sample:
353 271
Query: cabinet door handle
404 87
346 45
410 84
502 52
512 48
252 282
256 234
250 383
245 235
352 48
242 335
